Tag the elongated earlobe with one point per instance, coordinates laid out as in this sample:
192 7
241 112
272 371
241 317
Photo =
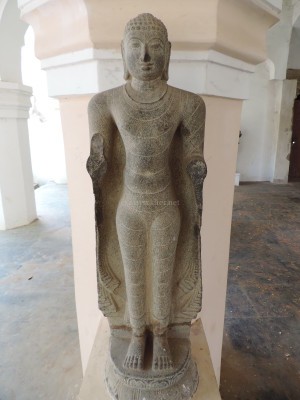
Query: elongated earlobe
165 74
126 72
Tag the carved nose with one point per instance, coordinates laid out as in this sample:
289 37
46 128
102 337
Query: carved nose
145 55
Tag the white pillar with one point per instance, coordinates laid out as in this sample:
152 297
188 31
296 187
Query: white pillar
282 91
284 94
17 203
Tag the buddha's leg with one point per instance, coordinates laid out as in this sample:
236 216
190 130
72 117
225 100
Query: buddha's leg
164 237
132 240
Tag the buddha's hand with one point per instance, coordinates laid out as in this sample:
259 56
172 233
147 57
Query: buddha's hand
96 167
96 163
197 171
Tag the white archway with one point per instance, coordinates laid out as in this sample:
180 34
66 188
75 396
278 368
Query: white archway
2 6
294 53
12 31
17 203
45 132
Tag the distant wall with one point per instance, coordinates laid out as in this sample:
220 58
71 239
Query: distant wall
267 116
278 40
11 39
45 132
294 55
256 145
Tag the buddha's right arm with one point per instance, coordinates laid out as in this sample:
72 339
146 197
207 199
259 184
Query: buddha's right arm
96 163
97 166
101 129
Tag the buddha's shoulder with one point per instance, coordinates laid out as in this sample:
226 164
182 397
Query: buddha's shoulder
106 98
189 101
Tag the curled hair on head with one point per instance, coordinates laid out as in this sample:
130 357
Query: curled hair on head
144 22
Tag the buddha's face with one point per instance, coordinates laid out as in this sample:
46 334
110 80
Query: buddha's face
145 55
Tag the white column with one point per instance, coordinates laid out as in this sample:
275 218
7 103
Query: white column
284 94
17 202
283 91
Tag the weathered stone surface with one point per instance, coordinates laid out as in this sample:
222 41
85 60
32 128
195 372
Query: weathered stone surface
147 169
176 384
94 386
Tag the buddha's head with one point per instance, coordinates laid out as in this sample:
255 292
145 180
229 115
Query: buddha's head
146 49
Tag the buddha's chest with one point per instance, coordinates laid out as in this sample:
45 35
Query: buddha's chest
147 129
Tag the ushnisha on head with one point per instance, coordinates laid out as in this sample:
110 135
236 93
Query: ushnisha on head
146 49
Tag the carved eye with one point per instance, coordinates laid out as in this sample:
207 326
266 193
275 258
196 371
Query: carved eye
155 46
135 45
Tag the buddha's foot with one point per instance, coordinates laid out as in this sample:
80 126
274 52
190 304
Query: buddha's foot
135 354
161 353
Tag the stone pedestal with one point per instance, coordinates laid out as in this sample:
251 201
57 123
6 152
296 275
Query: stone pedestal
94 386
176 383
17 202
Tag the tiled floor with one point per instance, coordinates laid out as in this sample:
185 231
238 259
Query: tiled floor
39 349
261 351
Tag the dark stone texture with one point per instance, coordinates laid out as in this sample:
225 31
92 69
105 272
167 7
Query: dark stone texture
147 169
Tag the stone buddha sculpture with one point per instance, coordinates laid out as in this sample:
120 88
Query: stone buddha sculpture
147 170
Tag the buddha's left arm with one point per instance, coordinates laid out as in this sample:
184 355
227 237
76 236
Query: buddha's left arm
193 126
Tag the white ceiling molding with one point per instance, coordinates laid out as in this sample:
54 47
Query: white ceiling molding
26 6
273 7
2 6
296 14
91 70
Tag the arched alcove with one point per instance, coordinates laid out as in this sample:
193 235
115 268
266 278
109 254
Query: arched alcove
254 161
264 150
293 68
17 203
12 31
293 72
45 132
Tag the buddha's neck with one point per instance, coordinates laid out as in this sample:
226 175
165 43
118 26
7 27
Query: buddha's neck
146 91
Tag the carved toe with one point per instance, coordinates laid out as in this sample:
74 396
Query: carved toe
161 353
135 354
